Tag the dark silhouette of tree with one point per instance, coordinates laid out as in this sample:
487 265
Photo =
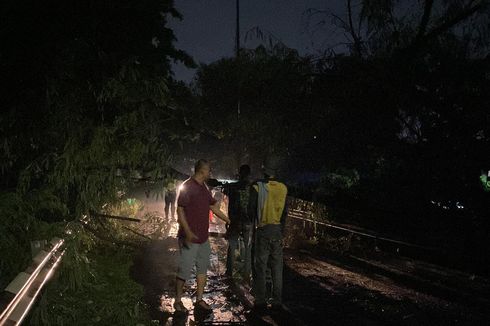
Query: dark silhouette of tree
87 92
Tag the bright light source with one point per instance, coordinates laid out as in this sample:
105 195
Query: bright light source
227 180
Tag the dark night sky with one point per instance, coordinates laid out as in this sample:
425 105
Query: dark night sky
207 31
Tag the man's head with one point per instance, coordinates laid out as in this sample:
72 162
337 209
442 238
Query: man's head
272 165
202 169
244 172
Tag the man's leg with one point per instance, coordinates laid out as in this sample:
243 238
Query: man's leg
174 208
167 208
261 257
276 270
179 289
247 261
186 261
201 284
230 255
202 265
253 252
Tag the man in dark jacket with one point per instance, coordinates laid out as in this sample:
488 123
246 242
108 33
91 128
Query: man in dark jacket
241 224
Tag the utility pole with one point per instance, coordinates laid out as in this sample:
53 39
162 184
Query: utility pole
237 48
237 53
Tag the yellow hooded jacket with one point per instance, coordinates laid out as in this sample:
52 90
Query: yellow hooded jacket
271 201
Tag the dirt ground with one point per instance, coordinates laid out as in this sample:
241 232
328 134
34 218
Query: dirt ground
345 291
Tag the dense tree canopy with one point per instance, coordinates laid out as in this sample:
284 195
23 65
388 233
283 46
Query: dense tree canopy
388 128
86 94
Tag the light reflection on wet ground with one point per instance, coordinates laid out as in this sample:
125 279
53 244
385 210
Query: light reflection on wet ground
155 269
226 306
156 266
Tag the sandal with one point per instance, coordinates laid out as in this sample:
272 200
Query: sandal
201 304
180 308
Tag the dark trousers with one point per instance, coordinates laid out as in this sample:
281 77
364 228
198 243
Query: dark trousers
246 254
268 252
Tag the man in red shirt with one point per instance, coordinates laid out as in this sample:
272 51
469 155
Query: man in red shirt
193 205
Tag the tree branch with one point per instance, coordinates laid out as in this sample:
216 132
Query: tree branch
355 37
421 39
425 19
451 22
107 238
123 218
137 233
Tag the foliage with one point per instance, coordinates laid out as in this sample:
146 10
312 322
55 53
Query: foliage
485 183
385 27
129 207
340 180
99 107
271 85
86 103
18 228
94 302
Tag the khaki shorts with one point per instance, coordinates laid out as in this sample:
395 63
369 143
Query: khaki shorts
196 255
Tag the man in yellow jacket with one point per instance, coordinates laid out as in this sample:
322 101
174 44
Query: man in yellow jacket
268 207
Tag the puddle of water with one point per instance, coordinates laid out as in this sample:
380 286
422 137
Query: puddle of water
226 305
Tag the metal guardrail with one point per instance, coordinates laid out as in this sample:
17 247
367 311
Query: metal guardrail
300 215
20 295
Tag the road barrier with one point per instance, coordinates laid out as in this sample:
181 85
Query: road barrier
20 295
302 216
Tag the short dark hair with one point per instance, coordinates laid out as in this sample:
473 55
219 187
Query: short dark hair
200 164
244 171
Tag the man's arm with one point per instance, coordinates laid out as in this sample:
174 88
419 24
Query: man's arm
215 209
252 205
284 215
185 226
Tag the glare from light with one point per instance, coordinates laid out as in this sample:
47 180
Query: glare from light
22 292
226 180
46 278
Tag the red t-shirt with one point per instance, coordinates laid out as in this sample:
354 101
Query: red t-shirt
196 198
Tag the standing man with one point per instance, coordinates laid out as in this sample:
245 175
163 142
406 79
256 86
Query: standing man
241 223
194 203
268 204
170 197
